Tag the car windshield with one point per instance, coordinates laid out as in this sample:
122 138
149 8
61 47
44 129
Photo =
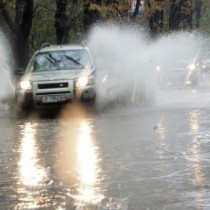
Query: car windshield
61 60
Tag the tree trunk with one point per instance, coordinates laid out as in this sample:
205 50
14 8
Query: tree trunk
186 14
24 18
155 16
136 9
60 20
197 13
70 19
19 30
90 16
174 16
180 15
158 17
64 22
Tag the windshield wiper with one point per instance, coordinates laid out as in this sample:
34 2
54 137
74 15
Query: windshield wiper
50 60
75 61
55 62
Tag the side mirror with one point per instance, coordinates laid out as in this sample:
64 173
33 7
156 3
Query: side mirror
19 72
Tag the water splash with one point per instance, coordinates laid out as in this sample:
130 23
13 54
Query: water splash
6 65
126 60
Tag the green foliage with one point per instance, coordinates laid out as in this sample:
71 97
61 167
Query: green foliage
77 33
11 8
44 11
43 30
43 24
205 19
205 22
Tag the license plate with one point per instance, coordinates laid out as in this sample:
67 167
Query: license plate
53 99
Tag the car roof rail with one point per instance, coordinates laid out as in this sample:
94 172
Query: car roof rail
45 45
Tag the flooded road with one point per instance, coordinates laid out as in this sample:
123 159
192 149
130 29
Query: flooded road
138 149
125 157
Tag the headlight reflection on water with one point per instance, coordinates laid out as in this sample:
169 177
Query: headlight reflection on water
31 175
87 165
194 121
195 157
76 165
78 160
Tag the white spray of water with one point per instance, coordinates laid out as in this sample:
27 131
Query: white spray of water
126 59
6 64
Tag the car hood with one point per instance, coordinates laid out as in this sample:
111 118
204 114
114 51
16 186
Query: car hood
57 75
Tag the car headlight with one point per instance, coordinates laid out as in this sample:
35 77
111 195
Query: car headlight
158 68
25 85
188 82
192 67
83 81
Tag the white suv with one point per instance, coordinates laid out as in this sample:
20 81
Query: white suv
55 75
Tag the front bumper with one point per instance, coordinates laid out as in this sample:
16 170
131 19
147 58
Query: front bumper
48 93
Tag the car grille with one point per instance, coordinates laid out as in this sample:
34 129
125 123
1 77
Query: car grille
53 85
50 93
